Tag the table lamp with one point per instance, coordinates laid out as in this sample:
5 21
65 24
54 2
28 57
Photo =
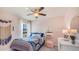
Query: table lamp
69 32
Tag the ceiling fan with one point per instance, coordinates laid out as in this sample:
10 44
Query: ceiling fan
36 12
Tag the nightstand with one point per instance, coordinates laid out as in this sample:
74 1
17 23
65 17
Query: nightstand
66 45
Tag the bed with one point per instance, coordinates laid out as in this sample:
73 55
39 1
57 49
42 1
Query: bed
36 41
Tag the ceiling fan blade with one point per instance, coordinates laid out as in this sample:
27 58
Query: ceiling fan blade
36 10
42 14
41 8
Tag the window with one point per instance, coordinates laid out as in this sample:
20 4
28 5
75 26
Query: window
24 30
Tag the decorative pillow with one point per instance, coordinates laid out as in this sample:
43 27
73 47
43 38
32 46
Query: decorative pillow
37 46
36 41
36 35
41 41
35 38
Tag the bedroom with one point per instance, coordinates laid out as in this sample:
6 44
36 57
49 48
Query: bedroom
56 20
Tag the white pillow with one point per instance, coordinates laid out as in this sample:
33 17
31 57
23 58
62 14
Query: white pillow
36 35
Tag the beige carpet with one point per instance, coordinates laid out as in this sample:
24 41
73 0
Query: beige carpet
48 49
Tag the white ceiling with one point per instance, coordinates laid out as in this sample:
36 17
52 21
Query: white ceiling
50 11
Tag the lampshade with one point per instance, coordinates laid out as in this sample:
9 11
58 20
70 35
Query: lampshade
36 14
49 33
69 31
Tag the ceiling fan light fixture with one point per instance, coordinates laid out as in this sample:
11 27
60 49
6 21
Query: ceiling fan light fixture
36 14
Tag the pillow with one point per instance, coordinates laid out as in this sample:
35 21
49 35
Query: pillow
41 41
37 46
36 35
36 41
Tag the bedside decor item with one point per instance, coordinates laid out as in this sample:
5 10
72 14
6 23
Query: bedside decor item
69 32
72 39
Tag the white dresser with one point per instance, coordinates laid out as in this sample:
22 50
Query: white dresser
66 45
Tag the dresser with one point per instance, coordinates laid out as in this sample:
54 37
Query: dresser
66 45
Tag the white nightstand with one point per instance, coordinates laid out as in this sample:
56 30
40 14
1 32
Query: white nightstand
65 45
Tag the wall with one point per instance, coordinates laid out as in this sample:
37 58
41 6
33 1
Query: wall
75 23
55 23
15 23
70 14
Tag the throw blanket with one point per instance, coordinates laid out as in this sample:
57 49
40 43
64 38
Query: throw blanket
36 45
21 45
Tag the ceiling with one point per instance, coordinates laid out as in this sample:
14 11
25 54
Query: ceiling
50 11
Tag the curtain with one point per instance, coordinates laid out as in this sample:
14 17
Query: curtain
5 32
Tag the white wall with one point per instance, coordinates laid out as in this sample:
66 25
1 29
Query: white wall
70 14
15 23
55 23
44 22
17 29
